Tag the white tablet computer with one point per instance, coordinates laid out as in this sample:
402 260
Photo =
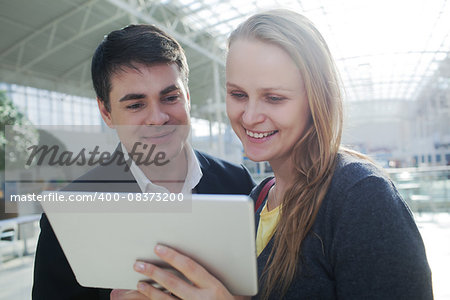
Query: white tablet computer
218 232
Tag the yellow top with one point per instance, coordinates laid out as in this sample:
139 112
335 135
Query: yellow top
268 221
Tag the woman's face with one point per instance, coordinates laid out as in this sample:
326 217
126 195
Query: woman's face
266 100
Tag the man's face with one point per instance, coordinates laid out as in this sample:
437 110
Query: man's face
144 98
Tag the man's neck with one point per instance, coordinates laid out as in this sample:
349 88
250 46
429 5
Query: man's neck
171 175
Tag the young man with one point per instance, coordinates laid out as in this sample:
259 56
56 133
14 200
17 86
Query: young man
140 76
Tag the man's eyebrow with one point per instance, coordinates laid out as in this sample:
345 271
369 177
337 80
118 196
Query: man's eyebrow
132 97
169 89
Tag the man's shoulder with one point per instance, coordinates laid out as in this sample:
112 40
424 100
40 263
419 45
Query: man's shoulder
208 161
223 177
110 177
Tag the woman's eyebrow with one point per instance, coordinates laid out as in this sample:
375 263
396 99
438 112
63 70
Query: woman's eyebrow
265 89
232 85
275 88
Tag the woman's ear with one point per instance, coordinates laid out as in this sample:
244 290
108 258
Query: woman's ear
188 97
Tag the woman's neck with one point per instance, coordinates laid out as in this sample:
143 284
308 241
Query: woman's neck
284 175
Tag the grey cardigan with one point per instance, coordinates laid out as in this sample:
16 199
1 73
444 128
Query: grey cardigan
364 243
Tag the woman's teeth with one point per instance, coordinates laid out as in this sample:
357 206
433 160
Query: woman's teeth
259 135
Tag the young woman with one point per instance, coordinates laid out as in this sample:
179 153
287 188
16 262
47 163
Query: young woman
333 225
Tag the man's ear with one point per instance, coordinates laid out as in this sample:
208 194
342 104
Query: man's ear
106 115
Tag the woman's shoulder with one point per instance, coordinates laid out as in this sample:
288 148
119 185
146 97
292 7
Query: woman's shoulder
352 167
357 181
257 189
364 216
358 178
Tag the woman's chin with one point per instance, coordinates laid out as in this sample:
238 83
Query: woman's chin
257 157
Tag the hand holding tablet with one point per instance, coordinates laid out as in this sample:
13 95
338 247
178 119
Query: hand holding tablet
218 234
201 284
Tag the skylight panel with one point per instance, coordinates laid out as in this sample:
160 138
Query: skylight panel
377 45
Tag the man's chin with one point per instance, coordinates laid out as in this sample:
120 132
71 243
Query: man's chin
151 155
161 138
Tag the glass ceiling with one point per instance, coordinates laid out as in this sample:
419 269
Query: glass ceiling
384 49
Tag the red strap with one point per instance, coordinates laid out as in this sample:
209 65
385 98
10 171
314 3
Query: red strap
264 191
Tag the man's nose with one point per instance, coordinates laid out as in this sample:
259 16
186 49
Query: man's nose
156 115
253 113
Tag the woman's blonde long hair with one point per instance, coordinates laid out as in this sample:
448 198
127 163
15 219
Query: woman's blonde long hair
315 153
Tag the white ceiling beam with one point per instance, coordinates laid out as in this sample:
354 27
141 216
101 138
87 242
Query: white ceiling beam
20 56
78 66
51 37
86 16
181 38
60 46
46 27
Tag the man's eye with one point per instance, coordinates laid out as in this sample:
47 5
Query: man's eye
172 98
135 106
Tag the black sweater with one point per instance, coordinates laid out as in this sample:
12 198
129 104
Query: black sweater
364 243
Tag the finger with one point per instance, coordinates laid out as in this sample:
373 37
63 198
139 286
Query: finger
167 279
187 266
152 292
118 294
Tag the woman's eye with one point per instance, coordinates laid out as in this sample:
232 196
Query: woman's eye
275 98
238 95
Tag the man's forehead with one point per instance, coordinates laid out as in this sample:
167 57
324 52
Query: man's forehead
161 74
136 67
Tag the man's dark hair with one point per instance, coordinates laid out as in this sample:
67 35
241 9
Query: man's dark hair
134 44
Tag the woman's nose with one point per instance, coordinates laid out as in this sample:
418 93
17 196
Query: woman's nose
252 113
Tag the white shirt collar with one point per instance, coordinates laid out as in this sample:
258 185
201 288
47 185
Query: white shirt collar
193 176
